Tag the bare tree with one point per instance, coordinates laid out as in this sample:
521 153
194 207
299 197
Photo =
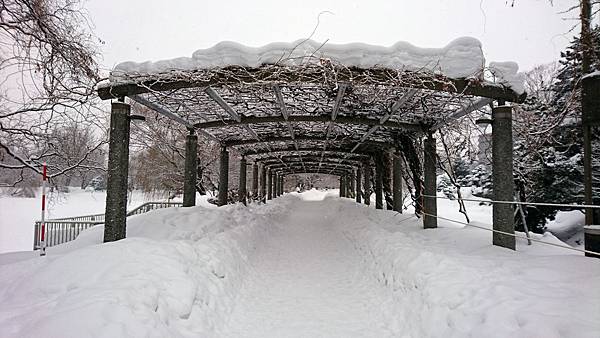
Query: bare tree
539 81
48 63
158 159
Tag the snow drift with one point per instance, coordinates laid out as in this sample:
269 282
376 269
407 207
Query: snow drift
450 282
179 272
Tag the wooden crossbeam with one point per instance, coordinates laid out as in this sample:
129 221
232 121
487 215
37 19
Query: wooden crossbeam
232 143
285 114
219 100
467 109
160 110
331 157
309 163
318 150
384 119
374 76
307 159
311 118
336 107
314 170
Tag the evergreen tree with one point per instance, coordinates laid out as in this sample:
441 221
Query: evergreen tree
549 165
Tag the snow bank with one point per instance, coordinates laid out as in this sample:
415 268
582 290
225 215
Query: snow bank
461 58
18 214
450 282
179 271
177 274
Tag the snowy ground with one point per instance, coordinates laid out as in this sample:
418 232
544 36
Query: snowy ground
17 215
304 265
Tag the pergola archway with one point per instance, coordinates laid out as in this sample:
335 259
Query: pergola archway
319 116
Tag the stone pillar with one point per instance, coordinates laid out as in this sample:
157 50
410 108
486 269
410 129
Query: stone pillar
388 173
269 185
115 227
429 203
397 182
358 177
263 184
191 167
223 177
352 185
379 181
255 181
273 184
280 185
502 176
242 186
367 183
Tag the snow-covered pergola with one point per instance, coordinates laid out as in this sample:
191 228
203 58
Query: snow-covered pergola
306 107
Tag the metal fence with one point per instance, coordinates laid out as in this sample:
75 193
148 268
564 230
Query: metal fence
66 229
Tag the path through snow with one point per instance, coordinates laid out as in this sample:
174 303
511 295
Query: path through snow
308 281
309 265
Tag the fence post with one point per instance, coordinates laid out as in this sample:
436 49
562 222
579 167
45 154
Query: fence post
502 176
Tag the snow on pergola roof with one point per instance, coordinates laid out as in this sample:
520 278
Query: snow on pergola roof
310 99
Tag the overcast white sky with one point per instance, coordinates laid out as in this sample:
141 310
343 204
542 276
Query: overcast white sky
530 33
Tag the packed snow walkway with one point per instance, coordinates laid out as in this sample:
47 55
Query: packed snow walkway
308 281
304 265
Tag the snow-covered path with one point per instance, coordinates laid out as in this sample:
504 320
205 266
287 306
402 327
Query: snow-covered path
308 281
303 265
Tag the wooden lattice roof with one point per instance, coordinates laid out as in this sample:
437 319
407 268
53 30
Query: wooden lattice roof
323 111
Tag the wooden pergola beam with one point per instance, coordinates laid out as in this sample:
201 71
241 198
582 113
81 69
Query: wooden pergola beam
308 164
233 143
159 109
245 120
467 109
293 149
290 159
286 115
336 107
313 170
351 75
325 168
219 100
385 118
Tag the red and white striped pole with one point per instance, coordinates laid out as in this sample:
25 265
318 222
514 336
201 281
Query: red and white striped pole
43 227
